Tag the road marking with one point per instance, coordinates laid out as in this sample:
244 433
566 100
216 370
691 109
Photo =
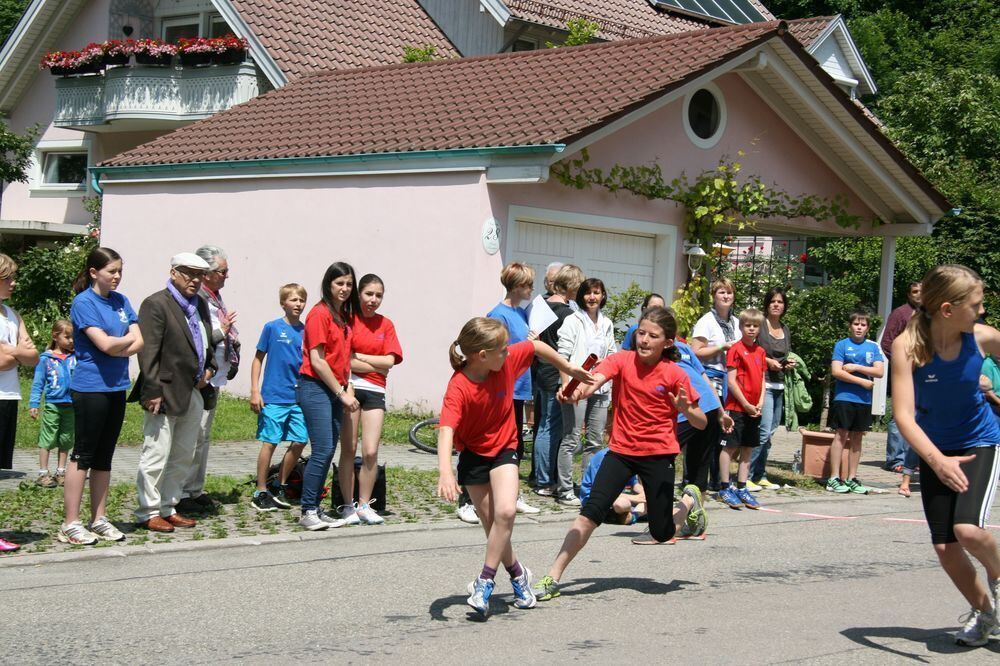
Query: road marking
764 508
906 520
821 516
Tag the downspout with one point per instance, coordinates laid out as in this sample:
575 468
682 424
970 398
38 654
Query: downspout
95 182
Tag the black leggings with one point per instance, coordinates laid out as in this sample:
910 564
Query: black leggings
700 447
99 417
657 476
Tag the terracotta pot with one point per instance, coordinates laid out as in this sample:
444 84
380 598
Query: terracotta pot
816 454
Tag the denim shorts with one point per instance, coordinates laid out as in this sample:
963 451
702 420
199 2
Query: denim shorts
281 423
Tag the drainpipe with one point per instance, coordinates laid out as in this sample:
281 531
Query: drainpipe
95 178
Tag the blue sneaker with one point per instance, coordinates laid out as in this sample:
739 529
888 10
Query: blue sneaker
523 596
729 497
749 501
480 591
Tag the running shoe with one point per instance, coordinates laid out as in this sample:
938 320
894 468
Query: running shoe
350 514
368 515
8 546
103 528
545 492
523 596
263 501
977 630
697 519
331 521
995 592
480 591
749 501
467 514
278 498
524 507
767 485
546 589
729 497
856 486
311 521
76 534
835 485
753 487
568 499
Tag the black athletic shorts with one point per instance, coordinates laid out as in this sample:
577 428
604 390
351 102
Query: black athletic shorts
657 476
850 416
369 399
944 508
746 431
475 470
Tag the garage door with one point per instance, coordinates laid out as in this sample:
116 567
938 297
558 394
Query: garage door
616 258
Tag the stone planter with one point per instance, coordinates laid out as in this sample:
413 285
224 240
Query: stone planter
816 454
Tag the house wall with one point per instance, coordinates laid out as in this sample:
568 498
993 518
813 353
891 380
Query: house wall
470 28
420 233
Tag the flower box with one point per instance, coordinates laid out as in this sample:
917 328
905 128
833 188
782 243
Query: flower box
816 454
189 59
148 60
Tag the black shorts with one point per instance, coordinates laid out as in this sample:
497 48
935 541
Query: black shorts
8 430
699 447
474 469
746 431
850 416
369 399
99 418
944 508
657 476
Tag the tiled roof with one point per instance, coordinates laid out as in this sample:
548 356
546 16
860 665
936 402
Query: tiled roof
806 30
305 36
619 19
512 99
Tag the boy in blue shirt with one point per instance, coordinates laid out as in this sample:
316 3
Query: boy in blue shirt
279 415
857 361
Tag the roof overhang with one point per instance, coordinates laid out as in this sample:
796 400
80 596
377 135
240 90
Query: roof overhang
497 9
41 228
260 55
837 30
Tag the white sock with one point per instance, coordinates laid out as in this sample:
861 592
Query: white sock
60 470
43 472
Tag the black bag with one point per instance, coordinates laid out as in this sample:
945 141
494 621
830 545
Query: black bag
378 492
293 484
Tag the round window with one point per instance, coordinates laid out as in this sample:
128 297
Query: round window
705 116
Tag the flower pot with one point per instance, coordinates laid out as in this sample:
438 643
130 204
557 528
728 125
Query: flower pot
95 67
816 454
60 71
148 60
120 59
196 59
232 57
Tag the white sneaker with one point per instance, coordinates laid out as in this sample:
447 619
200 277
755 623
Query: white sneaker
368 515
467 514
569 499
103 528
76 534
311 521
977 630
524 507
349 514
331 521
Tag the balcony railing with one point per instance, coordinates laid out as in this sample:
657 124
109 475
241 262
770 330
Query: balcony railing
151 97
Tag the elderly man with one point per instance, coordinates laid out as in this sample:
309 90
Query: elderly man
176 363
225 339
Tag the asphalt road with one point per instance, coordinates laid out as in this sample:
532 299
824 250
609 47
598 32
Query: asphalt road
765 587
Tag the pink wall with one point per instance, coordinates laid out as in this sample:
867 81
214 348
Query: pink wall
420 233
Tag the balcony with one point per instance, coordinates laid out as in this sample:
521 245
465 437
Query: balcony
151 98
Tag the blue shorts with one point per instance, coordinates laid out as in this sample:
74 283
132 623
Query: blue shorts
281 423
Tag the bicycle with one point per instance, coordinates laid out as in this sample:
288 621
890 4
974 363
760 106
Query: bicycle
423 435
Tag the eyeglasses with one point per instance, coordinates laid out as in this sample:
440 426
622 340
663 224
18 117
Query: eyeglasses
223 272
190 276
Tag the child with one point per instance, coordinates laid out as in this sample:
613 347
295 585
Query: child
649 391
939 407
856 362
52 377
628 507
279 416
745 362
477 417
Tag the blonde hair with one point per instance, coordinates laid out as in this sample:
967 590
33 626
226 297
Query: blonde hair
751 316
478 334
948 283
516 275
7 267
567 280
58 327
290 289
721 283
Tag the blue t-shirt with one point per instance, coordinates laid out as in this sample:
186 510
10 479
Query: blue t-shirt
865 353
587 482
516 321
628 344
96 372
690 364
282 342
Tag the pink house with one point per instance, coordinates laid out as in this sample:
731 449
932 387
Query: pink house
433 175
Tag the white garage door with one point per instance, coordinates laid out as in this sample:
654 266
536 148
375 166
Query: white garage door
616 258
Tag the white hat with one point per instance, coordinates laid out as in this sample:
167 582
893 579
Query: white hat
189 260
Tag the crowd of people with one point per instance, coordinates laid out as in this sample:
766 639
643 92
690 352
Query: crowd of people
719 397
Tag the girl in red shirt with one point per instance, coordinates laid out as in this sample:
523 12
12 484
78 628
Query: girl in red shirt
648 392
374 351
477 418
324 389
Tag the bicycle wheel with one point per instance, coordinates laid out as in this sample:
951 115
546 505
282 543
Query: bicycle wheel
423 435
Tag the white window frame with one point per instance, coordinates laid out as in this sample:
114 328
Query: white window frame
720 99
215 17
182 19
38 188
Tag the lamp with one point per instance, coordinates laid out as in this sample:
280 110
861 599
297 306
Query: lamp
695 256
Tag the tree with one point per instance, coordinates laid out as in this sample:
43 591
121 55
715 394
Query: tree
419 53
581 31
15 153
10 14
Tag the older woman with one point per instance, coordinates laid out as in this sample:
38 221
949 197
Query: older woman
776 341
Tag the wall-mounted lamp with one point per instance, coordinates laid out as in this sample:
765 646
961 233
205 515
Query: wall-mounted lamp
695 256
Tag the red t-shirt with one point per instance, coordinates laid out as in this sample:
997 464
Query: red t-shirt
645 419
322 330
482 415
376 336
750 363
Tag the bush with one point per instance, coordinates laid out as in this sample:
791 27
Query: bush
44 289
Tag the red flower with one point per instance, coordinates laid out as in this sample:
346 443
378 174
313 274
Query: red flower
804 257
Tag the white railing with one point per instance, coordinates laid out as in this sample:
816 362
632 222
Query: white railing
152 93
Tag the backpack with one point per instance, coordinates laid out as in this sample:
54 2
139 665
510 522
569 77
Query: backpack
293 484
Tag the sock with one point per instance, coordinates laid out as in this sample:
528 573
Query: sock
42 472
489 573
741 484
257 493
515 569
60 470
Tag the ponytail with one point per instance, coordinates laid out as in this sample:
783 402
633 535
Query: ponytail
919 344
455 357
98 258
948 283
478 334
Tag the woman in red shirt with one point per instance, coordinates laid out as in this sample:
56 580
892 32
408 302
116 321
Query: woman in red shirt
477 418
324 390
374 351
649 391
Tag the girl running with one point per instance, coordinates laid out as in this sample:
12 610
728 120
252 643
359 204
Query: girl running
375 351
650 390
941 412
477 418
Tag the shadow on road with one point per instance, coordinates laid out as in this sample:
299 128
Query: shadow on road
938 641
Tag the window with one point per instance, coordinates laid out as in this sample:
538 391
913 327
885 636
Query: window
178 27
218 26
705 116
65 169
524 45
59 168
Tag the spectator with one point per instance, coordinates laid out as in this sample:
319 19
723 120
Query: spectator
776 340
52 378
895 445
176 363
651 301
